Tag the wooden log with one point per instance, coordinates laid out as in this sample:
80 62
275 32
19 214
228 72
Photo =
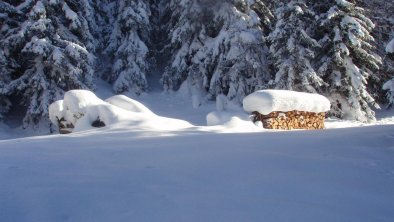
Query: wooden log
291 120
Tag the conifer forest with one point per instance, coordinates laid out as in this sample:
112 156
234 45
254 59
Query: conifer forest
342 49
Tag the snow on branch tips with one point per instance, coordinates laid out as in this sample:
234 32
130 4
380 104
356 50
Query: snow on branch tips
390 47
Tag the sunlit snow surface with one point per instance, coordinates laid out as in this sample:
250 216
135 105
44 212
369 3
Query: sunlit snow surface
198 173
267 101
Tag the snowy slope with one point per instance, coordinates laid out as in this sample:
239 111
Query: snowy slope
120 175
152 170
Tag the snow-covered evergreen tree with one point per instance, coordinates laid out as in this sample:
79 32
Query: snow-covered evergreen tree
127 46
242 65
9 17
218 47
389 85
347 60
47 53
184 23
381 13
293 48
263 8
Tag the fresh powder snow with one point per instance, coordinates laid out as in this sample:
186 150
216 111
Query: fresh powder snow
149 164
190 175
128 104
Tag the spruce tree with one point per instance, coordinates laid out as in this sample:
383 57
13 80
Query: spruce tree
389 85
184 23
127 46
47 55
9 22
218 47
381 13
242 66
293 49
347 60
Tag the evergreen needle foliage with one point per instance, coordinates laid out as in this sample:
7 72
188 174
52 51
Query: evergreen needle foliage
221 50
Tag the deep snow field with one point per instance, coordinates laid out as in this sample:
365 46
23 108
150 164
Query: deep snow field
234 171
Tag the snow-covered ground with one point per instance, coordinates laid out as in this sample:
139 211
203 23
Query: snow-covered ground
234 171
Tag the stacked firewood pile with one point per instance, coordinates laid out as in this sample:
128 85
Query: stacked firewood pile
291 120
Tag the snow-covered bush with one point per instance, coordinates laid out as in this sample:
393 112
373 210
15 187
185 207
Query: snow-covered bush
82 109
74 106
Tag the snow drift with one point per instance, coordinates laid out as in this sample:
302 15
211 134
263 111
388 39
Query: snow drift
298 176
82 108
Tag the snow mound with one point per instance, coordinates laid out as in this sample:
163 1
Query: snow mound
77 101
390 47
56 111
232 122
223 118
128 104
267 101
82 108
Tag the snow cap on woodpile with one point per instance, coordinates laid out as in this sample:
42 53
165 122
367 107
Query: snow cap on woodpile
267 101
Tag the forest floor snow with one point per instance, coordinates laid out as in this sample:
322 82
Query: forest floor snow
234 171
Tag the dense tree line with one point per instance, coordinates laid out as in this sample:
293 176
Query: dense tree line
216 49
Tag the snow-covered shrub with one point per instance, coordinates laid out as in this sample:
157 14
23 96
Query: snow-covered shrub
83 110
74 106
